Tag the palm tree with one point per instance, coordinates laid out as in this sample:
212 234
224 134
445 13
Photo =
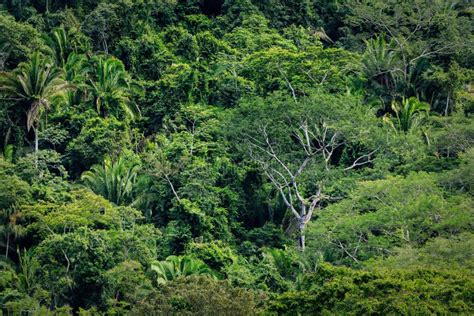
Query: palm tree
29 267
60 45
380 63
63 48
75 73
113 180
174 267
37 83
111 88
10 229
409 115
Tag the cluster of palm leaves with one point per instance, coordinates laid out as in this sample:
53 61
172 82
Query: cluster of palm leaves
175 267
389 71
66 75
60 46
114 180
410 114
110 89
379 62
291 265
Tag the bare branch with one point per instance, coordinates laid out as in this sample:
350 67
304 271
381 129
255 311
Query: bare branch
341 246
172 187
362 160
281 189
293 93
315 200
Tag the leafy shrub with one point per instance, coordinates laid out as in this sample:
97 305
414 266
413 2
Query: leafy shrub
383 214
215 254
200 296
333 290
74 263
97 139
175 267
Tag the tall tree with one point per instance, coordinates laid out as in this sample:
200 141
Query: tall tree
318 142
37 83
301 146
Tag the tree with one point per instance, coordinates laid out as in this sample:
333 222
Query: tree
29 268
420 33
102 25
380 215
126 284
96 139
38 84
111 88
75 264
18 41
379 62
13 192
318 142
113 180
65 48
297 155
60 45
343 291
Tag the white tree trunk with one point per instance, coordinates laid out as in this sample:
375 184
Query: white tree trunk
302 240
301 229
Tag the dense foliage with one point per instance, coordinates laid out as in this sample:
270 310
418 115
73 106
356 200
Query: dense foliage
221 157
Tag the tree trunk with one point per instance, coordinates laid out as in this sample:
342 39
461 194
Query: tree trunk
7 136
8 246
36 147
301 239
448 99
36 139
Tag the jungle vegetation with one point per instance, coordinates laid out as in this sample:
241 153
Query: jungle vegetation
236 157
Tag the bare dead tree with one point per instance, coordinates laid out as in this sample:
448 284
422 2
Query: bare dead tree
318 143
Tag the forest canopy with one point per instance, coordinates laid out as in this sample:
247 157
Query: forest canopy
216 157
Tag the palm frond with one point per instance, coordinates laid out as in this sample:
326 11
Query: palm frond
113 180
175 267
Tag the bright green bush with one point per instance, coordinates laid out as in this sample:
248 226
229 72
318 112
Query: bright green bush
332 290
201 296
74 264
383 214
215 254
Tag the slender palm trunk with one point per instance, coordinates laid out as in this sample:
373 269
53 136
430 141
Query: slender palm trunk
36 147
36 140
448 99
8 245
